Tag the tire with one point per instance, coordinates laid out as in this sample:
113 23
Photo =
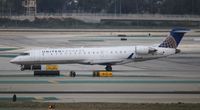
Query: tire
72 74
22 67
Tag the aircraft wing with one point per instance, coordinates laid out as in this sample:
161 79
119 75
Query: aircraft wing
104 61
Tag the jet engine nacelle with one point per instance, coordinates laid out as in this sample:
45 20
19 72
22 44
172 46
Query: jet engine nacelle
143 50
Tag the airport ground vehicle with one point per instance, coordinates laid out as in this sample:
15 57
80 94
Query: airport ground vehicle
102 73
47 70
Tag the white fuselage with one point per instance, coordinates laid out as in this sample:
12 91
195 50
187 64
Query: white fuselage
95 55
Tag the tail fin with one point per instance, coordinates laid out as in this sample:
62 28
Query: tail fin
173 40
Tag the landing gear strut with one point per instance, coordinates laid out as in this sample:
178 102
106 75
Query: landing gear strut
108 67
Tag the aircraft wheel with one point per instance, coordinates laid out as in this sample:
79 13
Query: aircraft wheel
22 67
72 74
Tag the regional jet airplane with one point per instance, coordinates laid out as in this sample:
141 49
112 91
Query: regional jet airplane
107 56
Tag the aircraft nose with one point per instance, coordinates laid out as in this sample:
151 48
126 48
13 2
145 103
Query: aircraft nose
15 60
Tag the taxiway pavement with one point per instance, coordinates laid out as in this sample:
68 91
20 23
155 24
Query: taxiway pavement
172 79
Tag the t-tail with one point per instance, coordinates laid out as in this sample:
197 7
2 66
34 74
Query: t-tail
175 37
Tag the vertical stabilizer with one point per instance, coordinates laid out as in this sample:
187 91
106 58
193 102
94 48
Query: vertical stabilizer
175 37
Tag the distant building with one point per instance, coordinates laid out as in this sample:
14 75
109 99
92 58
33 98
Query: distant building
30 7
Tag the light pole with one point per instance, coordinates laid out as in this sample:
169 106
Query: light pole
120 7
115 7
1 8
76 5
137 6
64 7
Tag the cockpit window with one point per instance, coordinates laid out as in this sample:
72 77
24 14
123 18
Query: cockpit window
24 54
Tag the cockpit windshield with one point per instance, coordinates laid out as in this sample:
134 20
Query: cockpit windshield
24 54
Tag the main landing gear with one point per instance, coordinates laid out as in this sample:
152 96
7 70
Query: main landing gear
108 68
72 74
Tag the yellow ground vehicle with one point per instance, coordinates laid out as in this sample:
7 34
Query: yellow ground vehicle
102 73
51 67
